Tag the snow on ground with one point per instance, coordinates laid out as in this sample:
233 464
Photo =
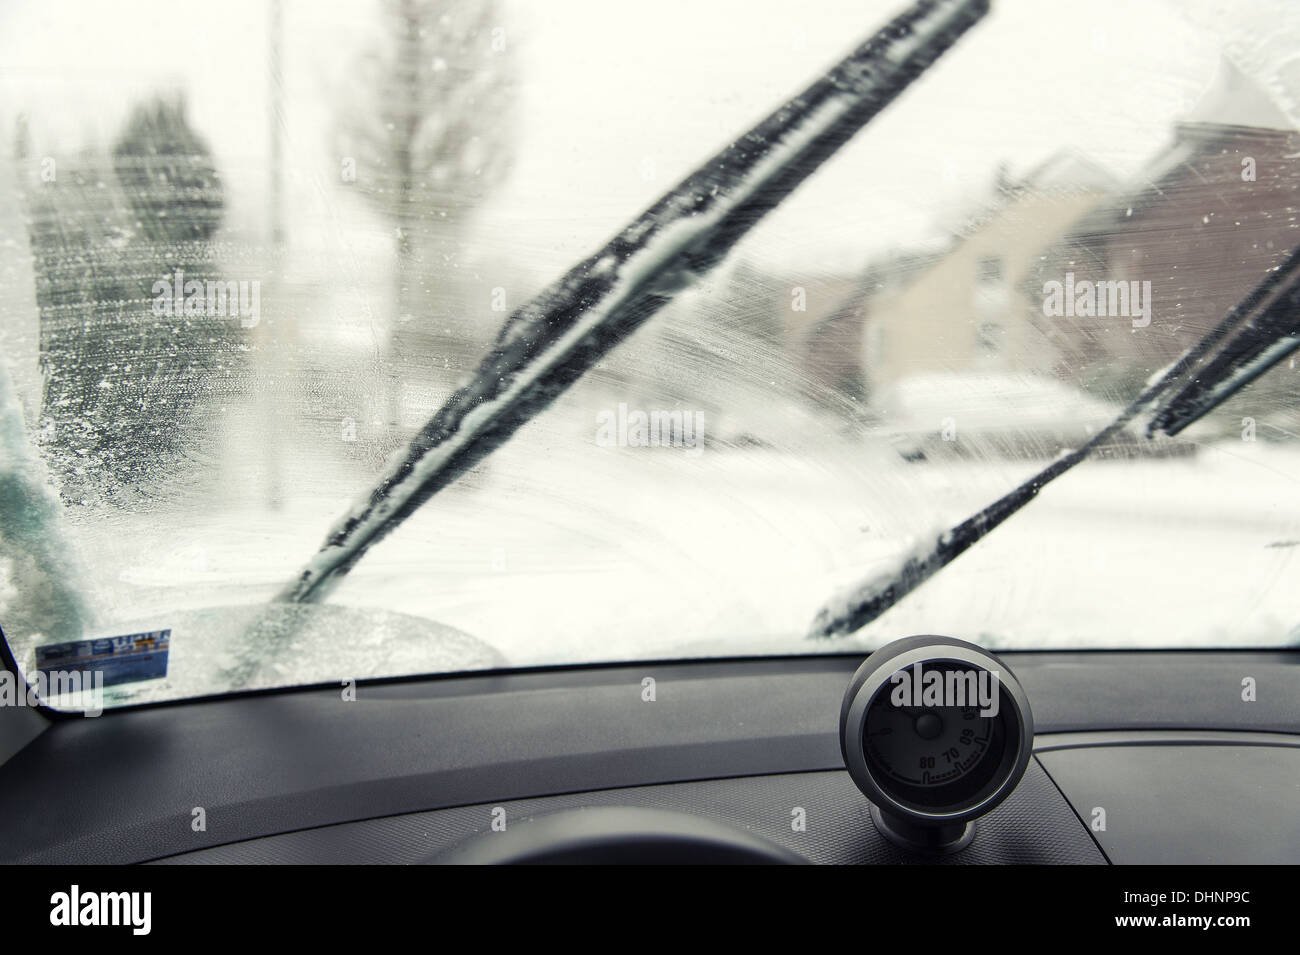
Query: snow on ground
562 551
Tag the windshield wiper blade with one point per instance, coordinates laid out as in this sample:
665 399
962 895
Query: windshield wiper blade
550 342
1278 294
1271 335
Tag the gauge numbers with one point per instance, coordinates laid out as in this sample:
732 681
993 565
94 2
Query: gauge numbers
926 745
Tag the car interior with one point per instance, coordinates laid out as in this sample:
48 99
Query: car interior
282 711
1146 758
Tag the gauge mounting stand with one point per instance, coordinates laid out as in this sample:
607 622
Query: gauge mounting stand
935 732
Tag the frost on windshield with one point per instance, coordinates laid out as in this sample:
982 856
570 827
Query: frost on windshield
133 362
237 279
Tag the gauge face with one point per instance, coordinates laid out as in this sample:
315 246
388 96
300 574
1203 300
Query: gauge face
934 730
935 748
926 745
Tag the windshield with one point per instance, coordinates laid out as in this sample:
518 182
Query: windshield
250 253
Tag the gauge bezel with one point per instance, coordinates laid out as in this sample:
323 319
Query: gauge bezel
874 676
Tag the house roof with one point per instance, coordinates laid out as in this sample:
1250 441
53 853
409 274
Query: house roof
1065 171
1232 110
1232 99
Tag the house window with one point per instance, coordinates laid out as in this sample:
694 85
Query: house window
988 270
990 336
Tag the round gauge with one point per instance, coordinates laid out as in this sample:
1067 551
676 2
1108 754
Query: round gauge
936 732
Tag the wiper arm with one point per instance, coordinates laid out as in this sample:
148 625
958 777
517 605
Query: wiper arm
1260 344
550 342
1272 334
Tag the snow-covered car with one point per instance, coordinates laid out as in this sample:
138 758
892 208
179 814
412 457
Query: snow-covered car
979 414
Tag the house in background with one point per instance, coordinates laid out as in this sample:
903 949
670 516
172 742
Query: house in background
831 344
1203 223
958 311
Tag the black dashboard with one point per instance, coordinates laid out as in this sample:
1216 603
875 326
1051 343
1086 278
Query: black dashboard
1138 757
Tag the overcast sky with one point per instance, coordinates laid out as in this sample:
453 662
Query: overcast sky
612 90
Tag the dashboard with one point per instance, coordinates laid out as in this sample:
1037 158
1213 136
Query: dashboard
1137 757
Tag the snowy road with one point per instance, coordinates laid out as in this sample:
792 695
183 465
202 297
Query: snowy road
563 551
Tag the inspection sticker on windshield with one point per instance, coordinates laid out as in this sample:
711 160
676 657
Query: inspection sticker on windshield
125 659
